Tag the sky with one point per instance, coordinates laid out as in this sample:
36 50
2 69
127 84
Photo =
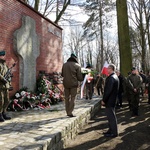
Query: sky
75 12
77 17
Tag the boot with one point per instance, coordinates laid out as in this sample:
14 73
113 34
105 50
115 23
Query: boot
1 118
5 116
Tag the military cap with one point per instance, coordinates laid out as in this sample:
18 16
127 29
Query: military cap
2 53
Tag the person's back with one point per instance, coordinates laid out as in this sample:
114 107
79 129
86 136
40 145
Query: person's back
71 73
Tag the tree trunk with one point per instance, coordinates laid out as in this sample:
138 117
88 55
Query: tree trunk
142 32
123 37
36 5
101 34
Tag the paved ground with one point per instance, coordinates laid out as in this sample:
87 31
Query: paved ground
134 132
30 129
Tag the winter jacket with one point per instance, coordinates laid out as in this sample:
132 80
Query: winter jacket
3 70
71 73
134 81
111 90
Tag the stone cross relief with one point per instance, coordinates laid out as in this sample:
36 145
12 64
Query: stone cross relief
26 44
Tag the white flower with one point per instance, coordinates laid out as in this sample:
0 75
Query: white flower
17 95
28 96
56 95
33 97
23 93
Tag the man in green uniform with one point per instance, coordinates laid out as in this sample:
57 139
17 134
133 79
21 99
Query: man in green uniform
4 88
71 73
134 82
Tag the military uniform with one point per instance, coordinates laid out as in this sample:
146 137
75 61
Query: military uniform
71 73
134 83
4 91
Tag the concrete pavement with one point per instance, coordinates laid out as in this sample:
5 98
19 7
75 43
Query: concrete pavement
46 129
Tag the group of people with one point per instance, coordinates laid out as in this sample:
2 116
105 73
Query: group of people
114 86
111 90
92 83
72 74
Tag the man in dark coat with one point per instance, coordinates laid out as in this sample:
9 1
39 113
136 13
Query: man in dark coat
120 92
110 99
71 73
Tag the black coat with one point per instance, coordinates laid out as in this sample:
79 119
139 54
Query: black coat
111 90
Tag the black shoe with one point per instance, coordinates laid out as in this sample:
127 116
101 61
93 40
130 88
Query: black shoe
71 116
107 132
6 117
110 135
1 118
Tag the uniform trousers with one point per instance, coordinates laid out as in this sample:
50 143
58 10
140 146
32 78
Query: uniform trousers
4 100
134 103
70 96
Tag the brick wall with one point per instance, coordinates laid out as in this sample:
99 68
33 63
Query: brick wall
50 59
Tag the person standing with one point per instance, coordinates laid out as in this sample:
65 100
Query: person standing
99 84
89 83
148 86
71 73
120 92
4 88
143 76
134 82
110 99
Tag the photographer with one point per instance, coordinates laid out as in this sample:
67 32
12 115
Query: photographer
4 88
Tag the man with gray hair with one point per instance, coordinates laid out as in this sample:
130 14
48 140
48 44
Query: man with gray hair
109 100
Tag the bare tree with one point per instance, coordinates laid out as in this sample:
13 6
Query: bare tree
76 44
47 7
139 16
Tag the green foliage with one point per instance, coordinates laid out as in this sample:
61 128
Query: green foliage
41 86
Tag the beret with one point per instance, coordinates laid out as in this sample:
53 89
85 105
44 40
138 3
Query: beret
2 53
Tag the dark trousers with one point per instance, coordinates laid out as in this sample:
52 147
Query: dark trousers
119 102
4 100
149 97
134 103
99 89
112 120
89 90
